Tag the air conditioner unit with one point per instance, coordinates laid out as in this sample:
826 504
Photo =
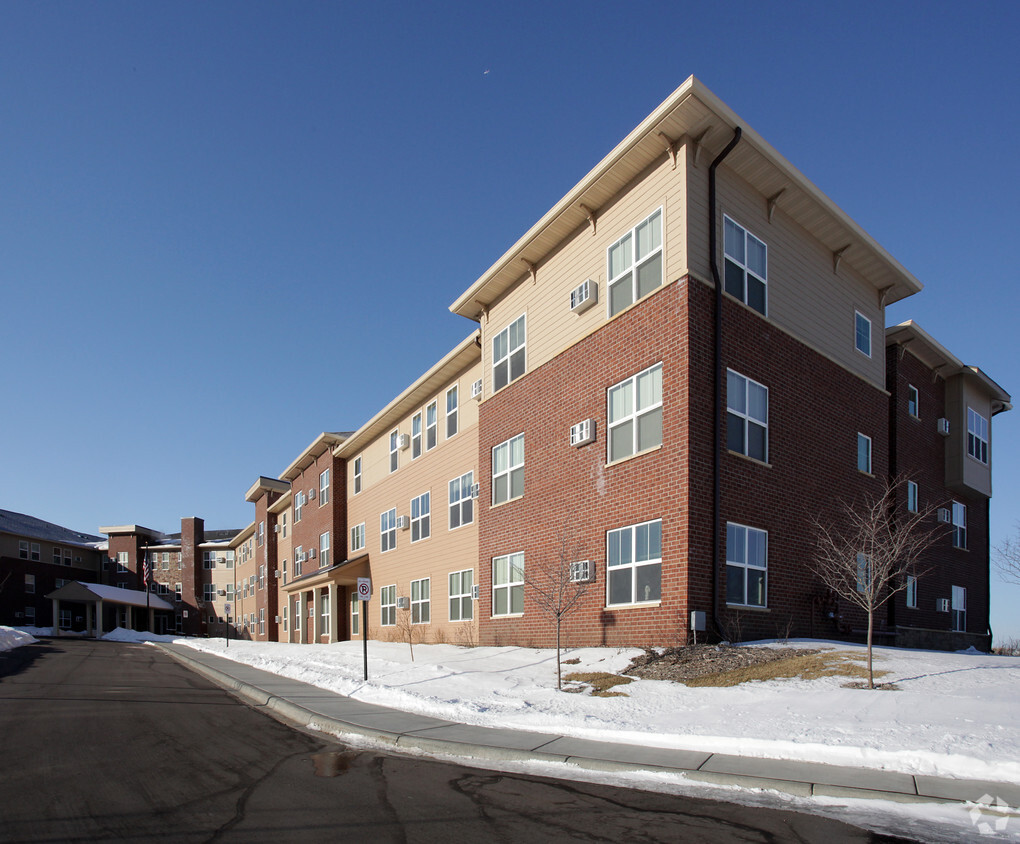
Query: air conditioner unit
403 441
276 574
311 493
582 433
277 619
476 389
944 515
943 426
582 571
584 296
474 592
221 592
19 615
276 528
942 604
403 603
311 553
475 490
77 559
403 522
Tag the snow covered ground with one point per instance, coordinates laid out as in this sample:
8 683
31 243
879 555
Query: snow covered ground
11 638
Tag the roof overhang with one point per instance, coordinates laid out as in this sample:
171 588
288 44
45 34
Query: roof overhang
264 485
122 530
693 114
319 446
94 593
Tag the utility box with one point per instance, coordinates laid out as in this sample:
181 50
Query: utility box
698 620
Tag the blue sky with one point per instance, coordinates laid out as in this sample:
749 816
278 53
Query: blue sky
212 215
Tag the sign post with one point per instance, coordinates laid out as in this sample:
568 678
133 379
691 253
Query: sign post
226 609
364 593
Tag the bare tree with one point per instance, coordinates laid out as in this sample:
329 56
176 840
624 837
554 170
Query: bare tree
1007 558
867 552
408 630
556 585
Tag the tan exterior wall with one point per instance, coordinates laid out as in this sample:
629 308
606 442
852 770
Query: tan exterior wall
285 565
964 472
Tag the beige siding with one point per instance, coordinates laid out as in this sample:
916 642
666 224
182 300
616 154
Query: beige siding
963 471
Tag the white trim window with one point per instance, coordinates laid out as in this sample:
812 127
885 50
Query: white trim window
747 416
394 450
863 453
299 503
959 525
58 558
29 584
357 479
634 410
461 597
324 555
283 571
164 560
388 606
977 436
262 621
179 592
355 615
416 435
30 616
462 505
431 425
508 584
959 605
324 610
324 487
634 263
23 549
421 512
36 554
508 470
421 604
862 333
634 564
261 539
285 618
451 411
746 273
508 353
746 565
913 401
208 592
911 592
912 503
358 538
388 530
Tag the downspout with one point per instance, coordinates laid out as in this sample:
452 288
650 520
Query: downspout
718 387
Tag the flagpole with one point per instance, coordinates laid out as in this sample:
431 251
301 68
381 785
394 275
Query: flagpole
145 585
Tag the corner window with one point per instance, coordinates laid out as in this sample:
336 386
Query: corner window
634 410
911 592
863 453
421 510
358 537
746 565
912 401
746 272
635 263
394 450
508 584
451 411
747 416
977 435
634 564
421 605
388 530
508 354
357 479
912 496
461 588
508 470
388 606
959 525
862 333
324 488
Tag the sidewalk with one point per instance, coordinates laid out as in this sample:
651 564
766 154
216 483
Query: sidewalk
329 712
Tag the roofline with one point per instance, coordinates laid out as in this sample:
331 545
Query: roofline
112 530
264 484
319 446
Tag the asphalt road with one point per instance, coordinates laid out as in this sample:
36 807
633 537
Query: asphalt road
117 742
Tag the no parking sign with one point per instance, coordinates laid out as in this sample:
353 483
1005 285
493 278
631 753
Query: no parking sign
364 588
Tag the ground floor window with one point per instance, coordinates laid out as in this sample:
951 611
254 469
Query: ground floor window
355 615
634 564
388 606
911 592
959 609
746 565
461 589
508 584
65 619
421 605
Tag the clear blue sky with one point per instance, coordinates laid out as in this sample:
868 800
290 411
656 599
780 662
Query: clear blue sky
213 215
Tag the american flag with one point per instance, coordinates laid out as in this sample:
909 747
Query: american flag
146 571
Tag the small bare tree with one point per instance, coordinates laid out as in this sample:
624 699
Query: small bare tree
408 630
556 585
1007 558
866 553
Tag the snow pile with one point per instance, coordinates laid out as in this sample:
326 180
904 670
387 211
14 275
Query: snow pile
10 638
954 714
120 634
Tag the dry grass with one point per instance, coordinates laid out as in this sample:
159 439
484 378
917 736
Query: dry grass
600 682
807 667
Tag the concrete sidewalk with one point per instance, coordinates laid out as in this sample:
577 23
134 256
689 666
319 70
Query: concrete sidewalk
310 706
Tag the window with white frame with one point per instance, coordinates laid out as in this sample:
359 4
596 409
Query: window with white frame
508 353
431 425
863 453
230 591
394 450
355 614
262 621
634 409
388 606
179 592
746 565
67 557
299 503
29 584
913 401
30 616
959 525
508 584
261 534
862 333
508 470
208 592
421 511
461 502
208 559
35 552
283 524
634 564
421 607
451 411
911 592
747 416
283 571
634 263
324 556
324 487
298 560
912 503
416 435
162 589
122 561
262 577
285 618
23 549
746 273
959 605
977 435
461 589
165 559
229 558
324 609
357 475
863 573
65 619
57 557
388 530
358 538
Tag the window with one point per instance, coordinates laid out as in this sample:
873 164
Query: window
421 509
416 435
959 609
634 563
65 619
863 573
635 263
420 602
862 333
746 565
912 401
208 592
635 414
959 525
283 571
746 274
285 618
388 606
262 621
36 553
461 502
164 559
262 577
324 550
298 559
461 589
229 559
508 470
388 530
394 453
23 549
67 558
230 591
208 559
508 359
324 487
357 475
451 411
911 592
283 524
29 584
324 611
179 592
299 503
863 453
30 616
122 561
358 537
355 614
162 589
262 534
508 584
747 416
431 425
977 435
57 557
911 496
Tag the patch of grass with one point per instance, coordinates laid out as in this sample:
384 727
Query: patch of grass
807 667
600 681
574 661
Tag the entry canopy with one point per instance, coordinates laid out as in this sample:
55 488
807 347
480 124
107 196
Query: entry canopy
91 593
